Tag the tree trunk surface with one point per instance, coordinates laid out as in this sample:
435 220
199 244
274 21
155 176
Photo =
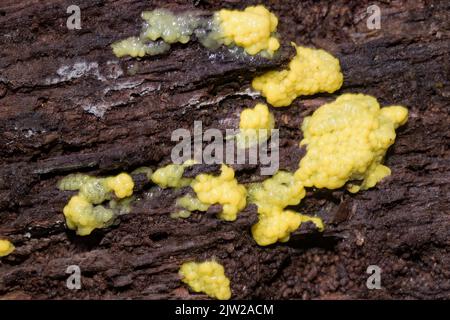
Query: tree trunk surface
67 104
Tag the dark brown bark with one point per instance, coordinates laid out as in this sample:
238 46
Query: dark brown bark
67 105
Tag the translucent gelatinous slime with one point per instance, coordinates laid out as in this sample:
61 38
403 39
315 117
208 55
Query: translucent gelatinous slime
252 29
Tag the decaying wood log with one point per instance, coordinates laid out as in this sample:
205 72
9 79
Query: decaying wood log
68 105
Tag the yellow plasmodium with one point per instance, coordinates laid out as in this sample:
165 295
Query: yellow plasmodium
279 191
208 277
136 47
83 217
271 197
251 29
132 46
346 140
81 214
170 27
311 71
122 185
255 125
6 247
224 190
160 24
172 175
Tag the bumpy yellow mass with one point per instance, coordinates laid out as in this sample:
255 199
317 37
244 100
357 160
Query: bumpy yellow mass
277 192
251 29
275 227
346 140
83 217
224 190
272 196
122 185
208 277
172 175
255 125
311 71
6 247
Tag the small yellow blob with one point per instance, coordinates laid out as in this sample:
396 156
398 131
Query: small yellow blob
172 175
6 247
122 185
275 227
346 140
255 125
311 71
224 190
271 197
251 29
132 46
208 277
279 224
83 217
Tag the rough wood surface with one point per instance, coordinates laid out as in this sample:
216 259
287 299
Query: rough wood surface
67 105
